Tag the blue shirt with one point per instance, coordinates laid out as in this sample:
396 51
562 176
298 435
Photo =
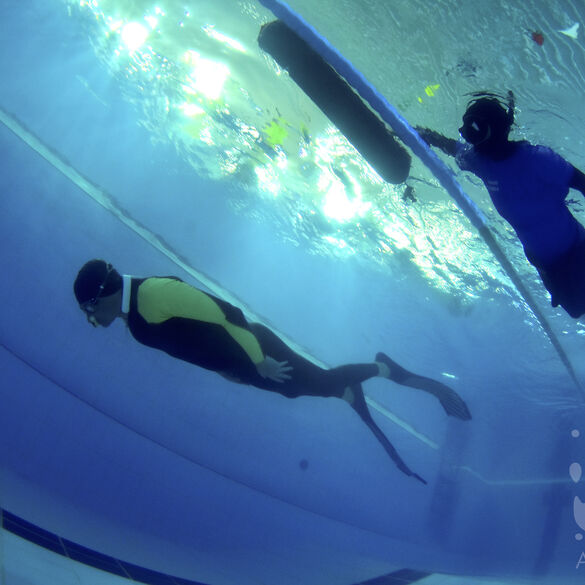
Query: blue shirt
528 189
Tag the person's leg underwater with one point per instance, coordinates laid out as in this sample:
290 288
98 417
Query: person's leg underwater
565 281
345 382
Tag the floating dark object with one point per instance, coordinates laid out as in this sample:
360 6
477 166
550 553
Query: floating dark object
538 38
337 100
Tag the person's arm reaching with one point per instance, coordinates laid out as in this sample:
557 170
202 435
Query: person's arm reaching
447 145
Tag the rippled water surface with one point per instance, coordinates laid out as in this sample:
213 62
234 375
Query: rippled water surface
199 80
235 179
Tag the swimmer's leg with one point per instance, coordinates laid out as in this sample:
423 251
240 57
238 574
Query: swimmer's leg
355 396
453 404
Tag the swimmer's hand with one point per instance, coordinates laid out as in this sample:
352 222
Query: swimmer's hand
273 370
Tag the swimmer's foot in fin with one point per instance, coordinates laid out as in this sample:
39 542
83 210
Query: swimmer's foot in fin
453 404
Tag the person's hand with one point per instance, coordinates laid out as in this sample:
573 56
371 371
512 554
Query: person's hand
273 370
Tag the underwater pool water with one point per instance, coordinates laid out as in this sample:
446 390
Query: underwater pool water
160 137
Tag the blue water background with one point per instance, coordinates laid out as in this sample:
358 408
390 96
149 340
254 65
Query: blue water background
102 437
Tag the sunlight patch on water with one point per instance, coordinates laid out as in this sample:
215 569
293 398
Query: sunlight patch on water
207 77
134 35
199 81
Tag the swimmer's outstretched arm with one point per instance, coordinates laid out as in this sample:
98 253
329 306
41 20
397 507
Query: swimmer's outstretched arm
447 145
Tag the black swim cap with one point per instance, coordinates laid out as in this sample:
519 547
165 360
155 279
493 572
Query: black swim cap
91 277
487 118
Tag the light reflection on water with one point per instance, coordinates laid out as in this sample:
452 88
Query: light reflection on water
198 79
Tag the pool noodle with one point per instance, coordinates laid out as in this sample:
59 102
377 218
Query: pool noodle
421 149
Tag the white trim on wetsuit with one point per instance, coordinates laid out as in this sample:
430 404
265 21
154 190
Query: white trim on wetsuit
126 290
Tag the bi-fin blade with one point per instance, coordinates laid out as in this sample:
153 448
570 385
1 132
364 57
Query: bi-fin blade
453 404
391 450
360 406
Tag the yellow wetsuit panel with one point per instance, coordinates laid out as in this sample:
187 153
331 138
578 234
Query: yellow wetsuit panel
160 299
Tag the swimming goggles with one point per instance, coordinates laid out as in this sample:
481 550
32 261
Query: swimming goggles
89 307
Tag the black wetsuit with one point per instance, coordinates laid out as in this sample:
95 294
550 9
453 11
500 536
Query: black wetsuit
197 327
208 344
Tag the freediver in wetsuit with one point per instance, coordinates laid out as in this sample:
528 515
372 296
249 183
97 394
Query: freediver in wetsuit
528 185
197 327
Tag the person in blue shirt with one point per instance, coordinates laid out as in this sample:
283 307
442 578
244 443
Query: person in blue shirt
528 185
190 324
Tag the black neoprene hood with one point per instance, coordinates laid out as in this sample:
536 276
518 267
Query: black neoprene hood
92 276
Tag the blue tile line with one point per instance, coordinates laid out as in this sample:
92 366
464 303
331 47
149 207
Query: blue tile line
87 556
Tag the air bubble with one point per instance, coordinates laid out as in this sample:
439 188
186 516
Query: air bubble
575 472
